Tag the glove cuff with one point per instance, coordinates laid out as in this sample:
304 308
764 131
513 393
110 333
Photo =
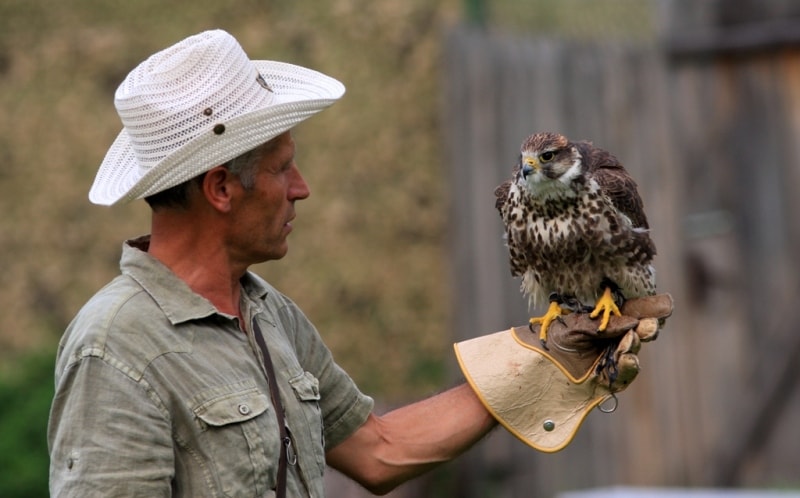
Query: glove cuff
527 390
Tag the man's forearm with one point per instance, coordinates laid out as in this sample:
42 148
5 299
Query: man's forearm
390 449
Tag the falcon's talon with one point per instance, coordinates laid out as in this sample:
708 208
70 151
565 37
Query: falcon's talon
607 306
554 312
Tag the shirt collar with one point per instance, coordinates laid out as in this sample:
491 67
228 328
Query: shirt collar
175 298
254 287
178 302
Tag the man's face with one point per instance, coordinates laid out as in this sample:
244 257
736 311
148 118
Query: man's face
263 214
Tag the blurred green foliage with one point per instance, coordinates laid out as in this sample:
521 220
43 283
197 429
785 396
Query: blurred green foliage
632 20
25 395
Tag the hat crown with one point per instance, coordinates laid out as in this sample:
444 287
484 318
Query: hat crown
182 92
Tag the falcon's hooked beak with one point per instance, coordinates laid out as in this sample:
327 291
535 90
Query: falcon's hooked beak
529 165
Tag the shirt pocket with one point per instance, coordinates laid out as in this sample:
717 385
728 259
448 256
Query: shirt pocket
238 430
306 390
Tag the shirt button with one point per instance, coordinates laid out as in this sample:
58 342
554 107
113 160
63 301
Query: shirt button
244 409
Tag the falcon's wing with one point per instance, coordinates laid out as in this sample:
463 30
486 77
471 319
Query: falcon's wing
501 195
501 192
616 183
519 253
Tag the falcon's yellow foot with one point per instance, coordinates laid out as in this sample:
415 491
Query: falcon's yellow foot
607 306
553 312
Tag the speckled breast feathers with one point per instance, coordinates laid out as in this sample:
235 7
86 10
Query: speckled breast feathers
574 220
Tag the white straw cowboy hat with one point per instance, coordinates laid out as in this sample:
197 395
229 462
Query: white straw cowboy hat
199 104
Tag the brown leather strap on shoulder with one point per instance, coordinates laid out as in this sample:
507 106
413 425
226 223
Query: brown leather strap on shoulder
274 393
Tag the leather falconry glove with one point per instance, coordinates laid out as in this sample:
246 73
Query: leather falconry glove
543 396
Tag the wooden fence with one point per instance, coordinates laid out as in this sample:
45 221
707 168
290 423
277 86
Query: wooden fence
714 143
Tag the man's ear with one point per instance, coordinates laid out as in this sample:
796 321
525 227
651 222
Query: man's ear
218 187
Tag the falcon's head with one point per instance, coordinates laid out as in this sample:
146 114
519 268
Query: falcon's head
548 163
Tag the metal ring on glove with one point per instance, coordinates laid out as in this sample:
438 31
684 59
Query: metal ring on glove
613 408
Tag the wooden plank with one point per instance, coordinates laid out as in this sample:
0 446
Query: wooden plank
742 40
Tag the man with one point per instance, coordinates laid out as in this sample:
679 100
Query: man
188 375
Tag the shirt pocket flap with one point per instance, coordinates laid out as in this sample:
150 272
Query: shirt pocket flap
306 387
232 408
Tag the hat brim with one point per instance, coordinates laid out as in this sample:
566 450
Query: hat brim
299 94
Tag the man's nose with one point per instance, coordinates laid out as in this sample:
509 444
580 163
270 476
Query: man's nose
298 188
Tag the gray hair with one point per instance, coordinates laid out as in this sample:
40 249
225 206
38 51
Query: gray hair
243 166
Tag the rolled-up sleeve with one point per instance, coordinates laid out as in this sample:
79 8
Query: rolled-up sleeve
108 434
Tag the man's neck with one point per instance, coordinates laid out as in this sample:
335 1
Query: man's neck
200 261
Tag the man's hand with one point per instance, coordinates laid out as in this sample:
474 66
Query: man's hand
541 396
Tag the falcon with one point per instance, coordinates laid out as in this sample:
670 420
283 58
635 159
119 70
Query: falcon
576 230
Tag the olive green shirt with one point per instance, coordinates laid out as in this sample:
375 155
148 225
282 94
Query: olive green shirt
159 394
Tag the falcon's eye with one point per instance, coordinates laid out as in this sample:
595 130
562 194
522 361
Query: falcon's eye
547 156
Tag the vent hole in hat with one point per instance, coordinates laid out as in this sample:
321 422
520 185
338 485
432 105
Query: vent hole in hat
208 111
219 129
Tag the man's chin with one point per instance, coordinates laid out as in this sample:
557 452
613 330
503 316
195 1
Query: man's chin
278 253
